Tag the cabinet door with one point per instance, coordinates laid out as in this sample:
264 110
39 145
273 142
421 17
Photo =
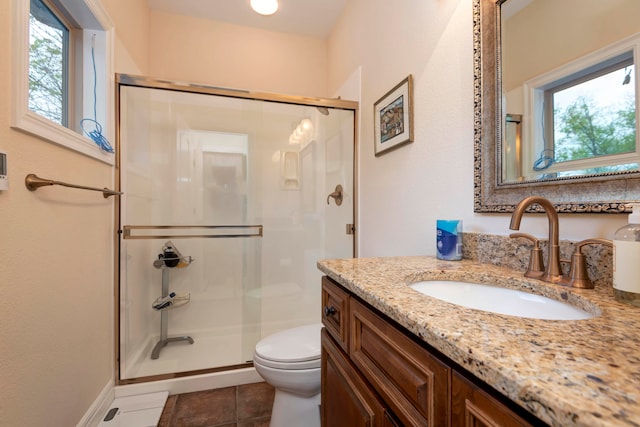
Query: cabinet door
335 312
472 407
412 382
346 400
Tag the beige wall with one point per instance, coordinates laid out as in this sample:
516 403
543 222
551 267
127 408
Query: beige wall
132 22
56 274
403 192
220 54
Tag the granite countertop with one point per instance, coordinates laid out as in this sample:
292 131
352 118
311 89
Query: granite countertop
567 373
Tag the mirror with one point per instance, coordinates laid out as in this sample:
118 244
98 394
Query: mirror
517 151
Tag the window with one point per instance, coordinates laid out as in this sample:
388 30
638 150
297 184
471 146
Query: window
62 74
584 115
49 40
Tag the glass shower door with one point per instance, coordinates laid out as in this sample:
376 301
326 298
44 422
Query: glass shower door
225 213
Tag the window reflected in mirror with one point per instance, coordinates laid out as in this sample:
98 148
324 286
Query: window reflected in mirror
594 119
570 78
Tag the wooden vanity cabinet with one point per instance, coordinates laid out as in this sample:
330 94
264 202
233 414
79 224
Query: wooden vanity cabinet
374 374
335 312
411 381
347 400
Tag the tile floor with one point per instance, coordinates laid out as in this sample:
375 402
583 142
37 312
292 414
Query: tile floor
247 405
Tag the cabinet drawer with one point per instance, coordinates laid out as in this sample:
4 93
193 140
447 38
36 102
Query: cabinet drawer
411 381
335 312
472 406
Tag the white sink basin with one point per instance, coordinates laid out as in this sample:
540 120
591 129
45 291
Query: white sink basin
500 300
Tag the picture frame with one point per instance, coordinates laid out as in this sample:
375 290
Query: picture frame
393 117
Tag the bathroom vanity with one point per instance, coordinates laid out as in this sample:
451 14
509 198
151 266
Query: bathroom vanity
364 355
392 356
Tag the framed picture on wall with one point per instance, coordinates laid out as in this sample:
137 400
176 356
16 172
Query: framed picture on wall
393 117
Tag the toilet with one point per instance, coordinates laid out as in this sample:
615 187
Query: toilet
290 361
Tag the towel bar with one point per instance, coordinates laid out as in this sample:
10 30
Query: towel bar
33 182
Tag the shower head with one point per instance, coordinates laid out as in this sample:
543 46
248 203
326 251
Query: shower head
323 110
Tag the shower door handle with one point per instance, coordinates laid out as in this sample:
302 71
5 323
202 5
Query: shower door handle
336 195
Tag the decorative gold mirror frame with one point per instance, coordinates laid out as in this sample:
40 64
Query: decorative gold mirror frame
605 193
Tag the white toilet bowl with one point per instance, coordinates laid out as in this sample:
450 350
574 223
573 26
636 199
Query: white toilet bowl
290 362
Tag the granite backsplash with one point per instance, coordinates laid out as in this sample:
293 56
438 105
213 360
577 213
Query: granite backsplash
505 251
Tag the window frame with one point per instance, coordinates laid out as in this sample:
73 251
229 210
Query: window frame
95 29
539 109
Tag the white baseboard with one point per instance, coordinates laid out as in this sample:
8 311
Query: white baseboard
100 406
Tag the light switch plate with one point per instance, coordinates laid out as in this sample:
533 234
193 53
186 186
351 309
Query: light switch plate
4 173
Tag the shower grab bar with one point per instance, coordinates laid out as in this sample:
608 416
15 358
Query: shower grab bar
33 182
128 229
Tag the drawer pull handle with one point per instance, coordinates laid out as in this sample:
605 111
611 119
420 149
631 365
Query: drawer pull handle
329 311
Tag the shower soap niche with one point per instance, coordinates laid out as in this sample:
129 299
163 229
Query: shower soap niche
289 170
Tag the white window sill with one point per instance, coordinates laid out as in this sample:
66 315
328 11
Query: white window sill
34 124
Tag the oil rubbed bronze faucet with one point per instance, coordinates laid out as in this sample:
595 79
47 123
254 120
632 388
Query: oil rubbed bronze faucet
553 271
578 276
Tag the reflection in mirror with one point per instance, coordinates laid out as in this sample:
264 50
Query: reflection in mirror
556 99
512 148
578 98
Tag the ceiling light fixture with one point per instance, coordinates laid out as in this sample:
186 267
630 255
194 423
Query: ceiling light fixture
265 7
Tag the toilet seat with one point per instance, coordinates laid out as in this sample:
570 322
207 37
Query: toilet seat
293 349
287 366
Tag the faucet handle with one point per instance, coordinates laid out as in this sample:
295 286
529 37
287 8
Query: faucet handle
578 276
535 270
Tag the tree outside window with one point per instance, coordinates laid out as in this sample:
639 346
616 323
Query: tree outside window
596 118
48 47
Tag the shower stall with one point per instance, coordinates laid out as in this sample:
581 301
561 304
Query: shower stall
230 198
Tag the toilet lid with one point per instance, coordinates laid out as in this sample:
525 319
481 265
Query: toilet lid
292 345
